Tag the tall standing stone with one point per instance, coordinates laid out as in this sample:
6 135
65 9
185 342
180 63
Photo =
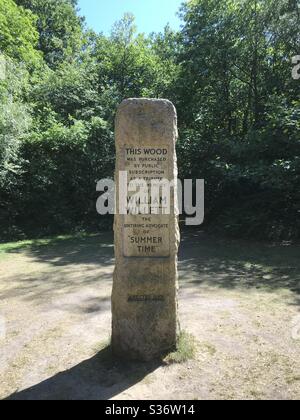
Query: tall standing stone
144 301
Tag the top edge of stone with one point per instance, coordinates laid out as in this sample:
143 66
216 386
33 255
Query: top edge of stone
144 101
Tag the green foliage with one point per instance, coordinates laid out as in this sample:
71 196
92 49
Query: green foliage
68 92
59 179
14 120
228 71
59 28
15 123
18 36
129 65
239 108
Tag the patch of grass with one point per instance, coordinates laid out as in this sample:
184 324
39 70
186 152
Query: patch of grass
186 349
35 243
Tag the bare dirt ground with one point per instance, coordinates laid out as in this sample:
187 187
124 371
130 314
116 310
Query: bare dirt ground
241 301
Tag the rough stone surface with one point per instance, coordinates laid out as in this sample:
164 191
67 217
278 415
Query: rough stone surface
144 301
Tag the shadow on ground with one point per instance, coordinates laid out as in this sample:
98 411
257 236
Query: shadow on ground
66 265
203 260
99 378
233 264
94 249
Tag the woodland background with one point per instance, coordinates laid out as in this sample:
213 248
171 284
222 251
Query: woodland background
229 73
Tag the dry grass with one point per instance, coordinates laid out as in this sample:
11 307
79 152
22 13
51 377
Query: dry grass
186 349
238 303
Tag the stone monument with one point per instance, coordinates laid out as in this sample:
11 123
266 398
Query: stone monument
144 300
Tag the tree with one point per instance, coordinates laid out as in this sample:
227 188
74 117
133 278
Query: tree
228 71
59 28
70 92
130 65
18 35
15 124
239 105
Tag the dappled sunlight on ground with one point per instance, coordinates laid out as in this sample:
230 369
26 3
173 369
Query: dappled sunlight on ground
239 300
